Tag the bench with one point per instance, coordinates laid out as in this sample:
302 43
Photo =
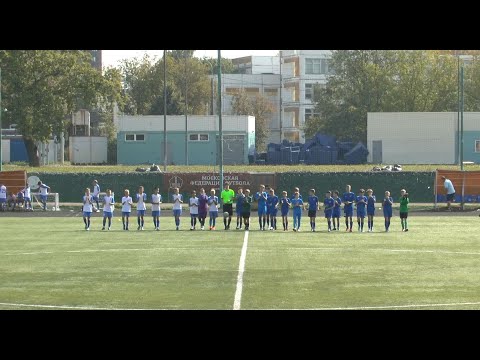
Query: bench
14 181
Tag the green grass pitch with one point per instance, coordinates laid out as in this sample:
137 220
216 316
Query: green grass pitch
53 263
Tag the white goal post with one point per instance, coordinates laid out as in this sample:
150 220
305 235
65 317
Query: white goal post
53 201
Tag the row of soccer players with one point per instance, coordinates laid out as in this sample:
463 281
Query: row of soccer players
268 204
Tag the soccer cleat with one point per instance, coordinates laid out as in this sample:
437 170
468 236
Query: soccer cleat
177 228
237 228
330 230
202 228
138 228
298 229
103 228
270 228
406 229
191 227
88 229
334 229
109 228
294 229
127 228
141 228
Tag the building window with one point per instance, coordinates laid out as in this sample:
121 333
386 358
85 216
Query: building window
309 113
198 137
317 66
134 137
477 146
308 91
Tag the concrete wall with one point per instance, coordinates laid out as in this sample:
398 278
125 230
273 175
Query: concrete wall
150 150
5 150
413 138
88 149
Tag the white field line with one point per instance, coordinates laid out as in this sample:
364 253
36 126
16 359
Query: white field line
113 250
66 307
332 308
386 250
241 270
228 248
394 306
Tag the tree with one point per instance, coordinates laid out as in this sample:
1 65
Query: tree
212 65
384 80
143 85
41 88
258 106
181 54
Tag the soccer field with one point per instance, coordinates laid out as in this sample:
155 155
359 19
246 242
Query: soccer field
53 263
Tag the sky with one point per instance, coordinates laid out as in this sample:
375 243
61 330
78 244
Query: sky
112 57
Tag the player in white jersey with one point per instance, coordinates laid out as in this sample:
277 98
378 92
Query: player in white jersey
96 195
43 188
87 208
177 206
212 208
3 197
126 208
193 202
27 197
141 207
156 201
108 206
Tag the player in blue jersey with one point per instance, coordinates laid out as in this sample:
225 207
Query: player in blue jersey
239 206
361 202
296 189
272 205
312 208
370 209
298 206
267 190
285 204
337 209
261 198
387 209
348 200
329 204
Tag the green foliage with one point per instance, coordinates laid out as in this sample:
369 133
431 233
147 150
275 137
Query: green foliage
258 106
41 88
144 88
212 65
382 81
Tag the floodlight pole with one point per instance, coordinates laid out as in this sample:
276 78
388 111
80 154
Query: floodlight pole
1 119
461 118
220 126
164 110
